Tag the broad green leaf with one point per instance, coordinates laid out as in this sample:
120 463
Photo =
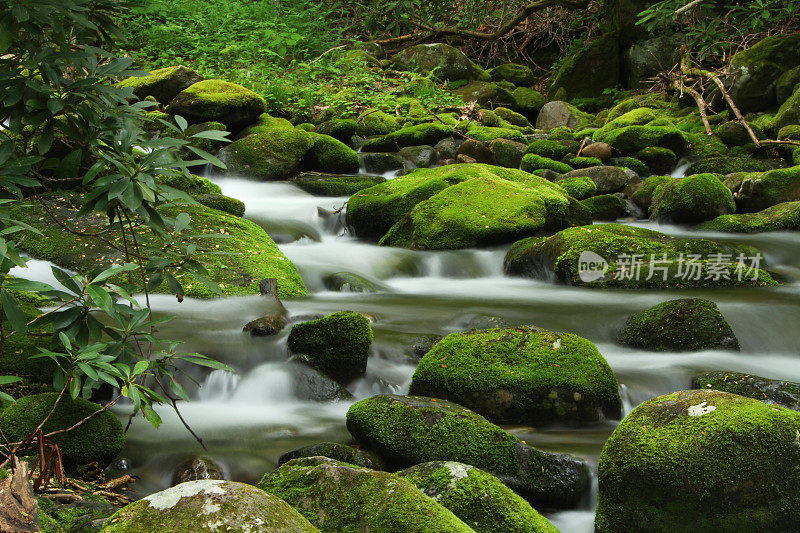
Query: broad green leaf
14 312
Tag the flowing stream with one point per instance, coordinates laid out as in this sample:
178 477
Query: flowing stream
249 419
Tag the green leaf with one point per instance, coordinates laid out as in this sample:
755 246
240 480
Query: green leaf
65 279
182 222
140 367
6 380
208 362
100 297
13 312
65 340
75 387
113 271
89 371
181 122
151 415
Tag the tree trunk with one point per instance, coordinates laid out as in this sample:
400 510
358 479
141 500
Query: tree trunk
19 512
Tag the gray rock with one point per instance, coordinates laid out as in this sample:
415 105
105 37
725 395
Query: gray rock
195 469
646 59
477 151
608 179
339 452
447 148
311 385
446 62
379 163
349 282
419 156
556 114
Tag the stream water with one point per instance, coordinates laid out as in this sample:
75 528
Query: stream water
249 419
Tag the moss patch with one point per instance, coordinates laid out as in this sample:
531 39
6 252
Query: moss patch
692 200
268 155
219 101
785 216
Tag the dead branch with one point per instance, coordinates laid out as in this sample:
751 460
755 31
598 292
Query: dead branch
701 103
19 511
687 7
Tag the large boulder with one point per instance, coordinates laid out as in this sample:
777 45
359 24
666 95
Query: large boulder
209 506
527 101
607 179
772 391
486 94
218 101
579 187
98 440
522 375
421 134
322 184
619 256
330 155
337 344
789 112
339 498
607 207
268 155
780 217
646 59
760 190
589 71
444 61
557 113
163 84
683 325
756 70
692 200
514 73
701 461
625 15
408 430
478 498
638 129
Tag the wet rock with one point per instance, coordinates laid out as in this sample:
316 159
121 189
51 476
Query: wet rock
606 207
322 184
478 498
785 216
692 200
756 191
338 497
209 506
772 391
688 324
84 516
163 84
423 345
419 156
310 384
556 114
266 325
479 322
408 430
659 161
196 468
465 159
338 452
701 460
447 149
520 375
349 282
607 179
381 162
507 153
477 151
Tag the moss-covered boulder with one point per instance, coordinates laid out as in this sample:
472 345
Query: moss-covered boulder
514 73
758 191
507 153
533 162
785 216
269 155
408 430
606 207
607 179
219 101
467 214
321 184
683 325
602 256
375 122
444 61
756 70
237 263
209 506
522 375
632 139
337 344
589 71
163 84
551 149
512 117
86 515
579 187
220 202
338 452
349 282
658 160
478 498
692 200
772 391
789 112
342 498
488 134
330 155
701 461
643 195
98 440
527 101
421 134
557 113
485 94
342 129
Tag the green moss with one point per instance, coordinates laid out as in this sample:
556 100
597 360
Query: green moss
99 439
582 162
701 461
789 112
512 117
266 123
589 71
791 132
335 185
557 257
418 135
223 203
605 207
643 197
342 129
632 163
785 216
162 84
338 452
74 517
692 200
467 214
684 325
532 162
16 357
486 95
337 344
631 139
341 498
442 60
209 145
658 160
375 122
488 134
238 262
192 185
527 101
580 188
514 73
330 155
478 498
220 101
268 155
760 191
522 375
784 393
507 153
551 149
360 57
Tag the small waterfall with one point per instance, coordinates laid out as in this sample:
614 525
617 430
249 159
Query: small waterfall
681 167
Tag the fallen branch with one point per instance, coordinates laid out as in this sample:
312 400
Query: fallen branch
687 7
701 103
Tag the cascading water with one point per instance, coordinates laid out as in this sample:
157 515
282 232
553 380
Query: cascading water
247 420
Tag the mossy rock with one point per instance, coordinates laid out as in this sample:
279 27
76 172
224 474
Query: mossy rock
557 114
507 153
533 162
781 217
791 132
701 461
265 123
692 200
163 84
371 212
771 391
732 133
237 263
590 70
408 430
605 207
360 58
631 163
527 101
488 134
485 94
98 440
191 184
632 139
330 155
580 187
760 191
223 203
512 117
514 73
375 122
15 358
349 282
321 184
208 506
337 452
558 257
786 84
578 162
757 69
789 112
421 134
268 155
338 344
658 160
209 145
643 197
339 497
478 498
342 129
551 149
83 516
442 60
523 375
466 215
218 101
683 325
607 179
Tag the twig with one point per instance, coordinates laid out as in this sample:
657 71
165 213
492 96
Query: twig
687 7
325 52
